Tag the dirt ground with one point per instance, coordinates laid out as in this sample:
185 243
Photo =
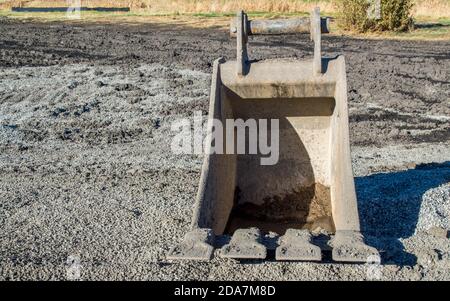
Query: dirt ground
87 177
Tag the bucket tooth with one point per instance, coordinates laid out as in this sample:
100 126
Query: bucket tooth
296 245
348 246
196 245
245 244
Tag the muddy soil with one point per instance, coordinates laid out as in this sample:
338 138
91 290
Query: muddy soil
403 82
86 170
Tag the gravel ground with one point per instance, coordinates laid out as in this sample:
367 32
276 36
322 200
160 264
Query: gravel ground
86 172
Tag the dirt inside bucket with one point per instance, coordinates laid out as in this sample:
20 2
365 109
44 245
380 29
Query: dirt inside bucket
307 208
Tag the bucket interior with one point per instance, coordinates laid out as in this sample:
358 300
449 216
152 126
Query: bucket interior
294 192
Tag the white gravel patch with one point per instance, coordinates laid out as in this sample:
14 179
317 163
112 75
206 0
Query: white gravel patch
435 209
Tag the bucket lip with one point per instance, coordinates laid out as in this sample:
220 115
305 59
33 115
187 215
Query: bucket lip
291 60
281 71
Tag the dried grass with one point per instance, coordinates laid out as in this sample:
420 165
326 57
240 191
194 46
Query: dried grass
422 8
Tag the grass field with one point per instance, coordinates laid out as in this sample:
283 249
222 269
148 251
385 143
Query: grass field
432 17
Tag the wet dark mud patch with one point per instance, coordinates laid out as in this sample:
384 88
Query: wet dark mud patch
406 76
306 208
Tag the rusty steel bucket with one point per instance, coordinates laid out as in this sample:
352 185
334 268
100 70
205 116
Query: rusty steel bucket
310 189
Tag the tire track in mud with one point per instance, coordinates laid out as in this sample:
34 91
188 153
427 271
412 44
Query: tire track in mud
406 76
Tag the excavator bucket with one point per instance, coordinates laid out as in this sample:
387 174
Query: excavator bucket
308 188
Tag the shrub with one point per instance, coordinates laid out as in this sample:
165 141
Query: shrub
395 15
